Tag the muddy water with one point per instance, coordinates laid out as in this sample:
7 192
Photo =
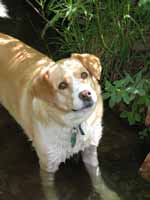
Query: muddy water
119 153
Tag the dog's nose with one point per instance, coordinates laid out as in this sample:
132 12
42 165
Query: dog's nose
85 95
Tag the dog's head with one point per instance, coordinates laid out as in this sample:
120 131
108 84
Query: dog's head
70 85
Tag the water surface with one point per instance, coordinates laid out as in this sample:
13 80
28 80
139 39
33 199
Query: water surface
120 156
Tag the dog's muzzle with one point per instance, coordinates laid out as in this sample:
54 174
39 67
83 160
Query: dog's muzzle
87 100
86 97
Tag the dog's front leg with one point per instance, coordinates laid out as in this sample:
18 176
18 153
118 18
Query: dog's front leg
47 179
47 174
90 159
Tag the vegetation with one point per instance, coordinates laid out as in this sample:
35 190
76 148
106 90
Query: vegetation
116 31
133 96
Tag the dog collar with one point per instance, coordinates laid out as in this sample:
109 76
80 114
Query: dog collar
74 132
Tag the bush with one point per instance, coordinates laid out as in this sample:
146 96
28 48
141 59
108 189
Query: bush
133 93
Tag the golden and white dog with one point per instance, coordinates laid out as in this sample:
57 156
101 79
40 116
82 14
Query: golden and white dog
52 101
58 104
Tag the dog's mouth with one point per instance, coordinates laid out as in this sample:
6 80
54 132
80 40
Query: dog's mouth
85 107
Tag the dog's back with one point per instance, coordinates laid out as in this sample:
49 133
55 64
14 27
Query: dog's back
19 63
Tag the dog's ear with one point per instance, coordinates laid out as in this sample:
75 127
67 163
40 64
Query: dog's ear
90 62
41 85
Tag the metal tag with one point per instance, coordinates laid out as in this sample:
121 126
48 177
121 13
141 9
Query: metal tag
74 133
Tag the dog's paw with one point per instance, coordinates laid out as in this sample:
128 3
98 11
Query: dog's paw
94 196
106 193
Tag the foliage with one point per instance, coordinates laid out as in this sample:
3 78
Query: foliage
134 93
145 5
112 30
144 133
108 29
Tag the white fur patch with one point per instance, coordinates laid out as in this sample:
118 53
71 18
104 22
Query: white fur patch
53 143
3 10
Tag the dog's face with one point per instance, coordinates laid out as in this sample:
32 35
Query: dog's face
70 85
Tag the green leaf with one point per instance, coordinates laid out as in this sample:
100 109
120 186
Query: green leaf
126 98
124 115
138 77
131 118
118 99
120 83
144 133
111 103
106 95
137 117
108 85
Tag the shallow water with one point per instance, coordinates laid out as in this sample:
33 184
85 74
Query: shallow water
120 156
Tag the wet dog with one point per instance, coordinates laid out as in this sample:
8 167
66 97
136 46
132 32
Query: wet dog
58 104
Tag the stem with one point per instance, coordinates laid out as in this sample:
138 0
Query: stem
37 11
99 28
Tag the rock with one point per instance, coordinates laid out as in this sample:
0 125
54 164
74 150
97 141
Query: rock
147 118
145 168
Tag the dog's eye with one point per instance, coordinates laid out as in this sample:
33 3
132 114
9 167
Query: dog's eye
84 75
63 85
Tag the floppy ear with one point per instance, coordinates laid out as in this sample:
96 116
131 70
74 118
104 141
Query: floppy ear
90 62
41 85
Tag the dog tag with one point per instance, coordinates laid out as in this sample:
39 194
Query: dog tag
74 137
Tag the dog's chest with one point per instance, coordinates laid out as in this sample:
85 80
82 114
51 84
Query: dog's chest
61 143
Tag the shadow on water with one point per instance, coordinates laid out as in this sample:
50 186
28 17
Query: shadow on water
120 152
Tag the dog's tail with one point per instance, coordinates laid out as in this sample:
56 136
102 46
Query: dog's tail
3 10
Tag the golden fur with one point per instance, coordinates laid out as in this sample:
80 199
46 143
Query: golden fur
24 69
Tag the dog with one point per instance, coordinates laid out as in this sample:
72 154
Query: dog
57 103
54 102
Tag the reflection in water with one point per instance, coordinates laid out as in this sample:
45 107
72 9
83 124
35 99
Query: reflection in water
101 190
104 191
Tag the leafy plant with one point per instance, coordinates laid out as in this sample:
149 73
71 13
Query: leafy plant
134 93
